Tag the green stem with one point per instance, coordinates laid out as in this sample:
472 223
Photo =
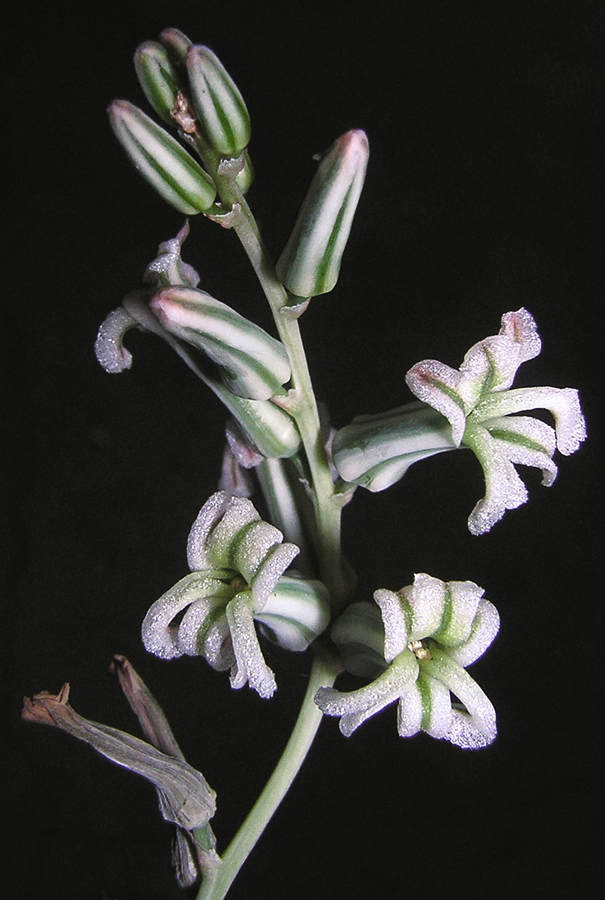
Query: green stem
304 406
217 882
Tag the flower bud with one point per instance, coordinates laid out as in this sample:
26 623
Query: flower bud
269 428
161 160
218 103
296 613
158 78
253 364
177 44
310 262
359 635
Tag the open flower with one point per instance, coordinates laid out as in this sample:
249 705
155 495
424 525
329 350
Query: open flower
477 402
238 564
429 632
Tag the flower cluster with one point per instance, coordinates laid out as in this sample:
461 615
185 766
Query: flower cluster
429 632
238 564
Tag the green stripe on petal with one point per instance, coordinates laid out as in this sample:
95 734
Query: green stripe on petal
219 104
295 613
376 451
158 79
254 364
161 160
310 262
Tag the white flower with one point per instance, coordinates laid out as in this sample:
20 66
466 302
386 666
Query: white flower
238 564
431 631
478 403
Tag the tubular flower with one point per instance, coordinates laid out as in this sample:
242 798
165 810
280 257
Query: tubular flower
429 632
477 402
238 563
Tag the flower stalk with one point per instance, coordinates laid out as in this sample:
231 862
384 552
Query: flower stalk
215 884
411 647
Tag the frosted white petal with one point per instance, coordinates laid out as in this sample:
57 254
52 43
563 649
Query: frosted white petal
109 347
269 572
252 546
525 456
484 629
562 403
208 516
159 636
526 441
356 706
438 385
491 365
480 725
524 430
503 487
426 598
250 666
195 618
396 636
218 647
224 536
409 712
521 327
463 732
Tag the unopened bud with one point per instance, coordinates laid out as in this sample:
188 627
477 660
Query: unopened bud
296 613
220 107
161 160
177 44
158 78
254 364
310 262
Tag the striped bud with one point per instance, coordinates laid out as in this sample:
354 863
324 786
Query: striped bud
296 613
220 107
161 160
270 430
310 262
376 451
158 79
253 364
359 635
177 45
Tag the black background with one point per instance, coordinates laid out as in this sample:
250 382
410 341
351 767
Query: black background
482 195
